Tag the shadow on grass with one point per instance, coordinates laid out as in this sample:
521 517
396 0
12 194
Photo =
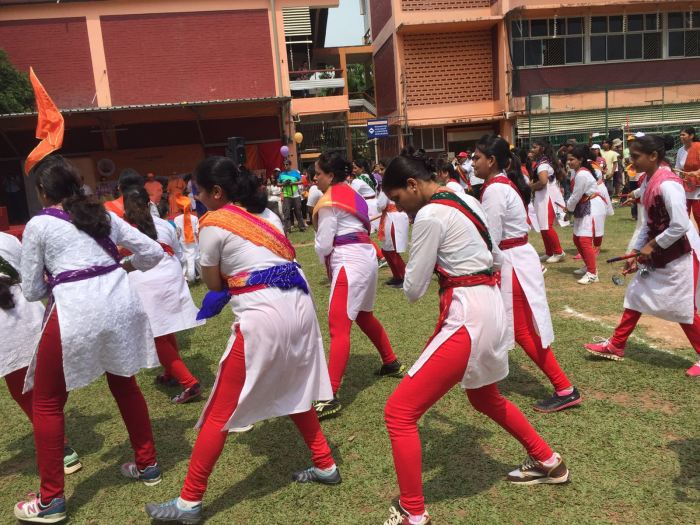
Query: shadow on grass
687 484
279 442
521 381
454 459
649 356
360 374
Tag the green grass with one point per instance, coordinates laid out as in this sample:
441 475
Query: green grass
633 446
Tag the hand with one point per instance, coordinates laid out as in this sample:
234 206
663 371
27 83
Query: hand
645 253
630 266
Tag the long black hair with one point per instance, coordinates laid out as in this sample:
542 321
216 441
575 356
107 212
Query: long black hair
59 181
9 278
402 168
506 160
238 184
362 164
583 153
548 152
337 165
443 166
137 211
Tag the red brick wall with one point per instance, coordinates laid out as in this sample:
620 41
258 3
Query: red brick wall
59 52
188 56
443 68
430 5
380 12
384 79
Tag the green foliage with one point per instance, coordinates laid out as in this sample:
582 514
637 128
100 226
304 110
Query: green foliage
357 80
16 95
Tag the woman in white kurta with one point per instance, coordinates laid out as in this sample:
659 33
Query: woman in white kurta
470 344
584 190
547 200
504 197
601 209
343 244
165 295
273 364
95 324
187 226
364 184
665 282
688 161
393 234
448 176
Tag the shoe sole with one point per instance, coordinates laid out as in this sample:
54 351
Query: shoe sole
611 357
53 519
72 468
567 405
328 413
544 481
152 482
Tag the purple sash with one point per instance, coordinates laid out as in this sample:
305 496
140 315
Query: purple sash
351 238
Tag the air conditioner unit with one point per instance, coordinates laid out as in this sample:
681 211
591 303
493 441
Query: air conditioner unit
538 102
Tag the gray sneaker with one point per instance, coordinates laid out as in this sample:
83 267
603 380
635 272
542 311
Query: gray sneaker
169 511
313 475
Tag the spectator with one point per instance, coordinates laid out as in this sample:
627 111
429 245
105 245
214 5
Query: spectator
290 180
273 193
611 165
154 188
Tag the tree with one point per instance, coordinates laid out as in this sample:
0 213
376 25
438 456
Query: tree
16 95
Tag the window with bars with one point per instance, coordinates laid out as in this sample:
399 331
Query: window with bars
548 42
626 37
683 35
429 139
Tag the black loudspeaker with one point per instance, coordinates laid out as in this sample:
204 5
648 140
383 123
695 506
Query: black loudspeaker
235 150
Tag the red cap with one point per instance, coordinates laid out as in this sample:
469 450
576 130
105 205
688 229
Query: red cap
462 154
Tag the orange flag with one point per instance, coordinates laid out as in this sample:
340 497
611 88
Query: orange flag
50 127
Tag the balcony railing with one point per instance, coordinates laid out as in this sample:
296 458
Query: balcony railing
316 83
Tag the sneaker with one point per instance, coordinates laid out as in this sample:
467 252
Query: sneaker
314 475
533 472
693 371
187 395
394 283
606 349
382 263
166 380
577 257
71 461
581 271
31 509
557 402
557 257
150 475
328 408
544 257
393 369
170 511
241 430
399 516
588 278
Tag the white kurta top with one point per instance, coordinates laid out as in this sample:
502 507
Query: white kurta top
681 157
395 226
163 289
359 260
601 208
20 326
314 196
284 360
507 219
370 197
584 186
549 194
455 186
445 236
104 327
669 292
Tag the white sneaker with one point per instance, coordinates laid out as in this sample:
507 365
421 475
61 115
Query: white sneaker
589 278
581 271
557 257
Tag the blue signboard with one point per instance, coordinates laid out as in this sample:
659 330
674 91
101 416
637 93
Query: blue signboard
377 128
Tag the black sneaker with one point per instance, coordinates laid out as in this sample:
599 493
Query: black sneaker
556 402
395 283
393 369
327 408
312 475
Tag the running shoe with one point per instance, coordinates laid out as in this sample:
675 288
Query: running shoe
589 278
393 369
71 461
556 258
241 430
328 408
693 371
533 472
394 283
557 402
170 511
544 257
577 257
150 475
187 395
314 475
604 348
32 510
399 516
382 263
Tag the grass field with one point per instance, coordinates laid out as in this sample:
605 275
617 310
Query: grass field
633 445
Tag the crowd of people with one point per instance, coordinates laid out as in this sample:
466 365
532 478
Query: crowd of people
106 268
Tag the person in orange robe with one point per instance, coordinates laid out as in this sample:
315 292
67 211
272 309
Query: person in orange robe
176 187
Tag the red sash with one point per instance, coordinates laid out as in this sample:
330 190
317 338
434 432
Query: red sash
507 244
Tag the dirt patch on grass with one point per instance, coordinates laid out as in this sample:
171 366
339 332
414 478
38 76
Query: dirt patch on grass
655 328
646 400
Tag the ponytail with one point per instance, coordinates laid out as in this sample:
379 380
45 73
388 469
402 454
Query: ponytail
515 174
137 212
8 278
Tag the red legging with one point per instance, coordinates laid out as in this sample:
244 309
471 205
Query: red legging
394 260
415 395
339 326
222 403
587 251
15 384
50 397
630 318
550 238
169 357
527 337
694 208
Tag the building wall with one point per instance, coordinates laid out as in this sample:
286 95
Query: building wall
385 78
169 57
380 14
59 51
448 67
433 5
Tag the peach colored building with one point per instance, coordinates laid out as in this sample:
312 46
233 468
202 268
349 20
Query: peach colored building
448 71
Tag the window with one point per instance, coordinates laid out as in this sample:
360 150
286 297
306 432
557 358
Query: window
552 42
626 37
430 139
683 35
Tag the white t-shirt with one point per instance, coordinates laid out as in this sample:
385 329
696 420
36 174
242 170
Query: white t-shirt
314 196
469 170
